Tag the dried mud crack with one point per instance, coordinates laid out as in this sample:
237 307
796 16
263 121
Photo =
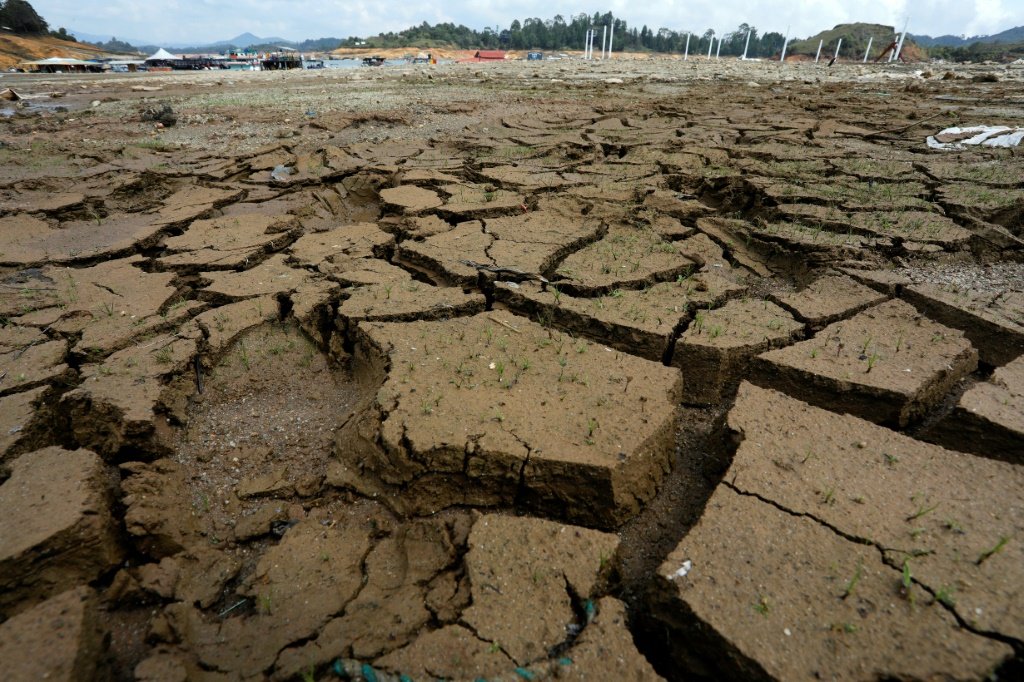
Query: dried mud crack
454 373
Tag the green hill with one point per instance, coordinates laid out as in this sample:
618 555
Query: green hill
855 41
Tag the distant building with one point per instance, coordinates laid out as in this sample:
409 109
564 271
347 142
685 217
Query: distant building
485 56
281 62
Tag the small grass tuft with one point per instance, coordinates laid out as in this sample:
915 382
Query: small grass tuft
851 585
987 554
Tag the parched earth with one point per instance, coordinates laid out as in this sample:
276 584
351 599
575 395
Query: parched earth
696 370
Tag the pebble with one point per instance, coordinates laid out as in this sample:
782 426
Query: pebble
991 278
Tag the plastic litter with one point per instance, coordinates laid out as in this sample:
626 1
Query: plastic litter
525 674
681 571
280 173
986 136
348 669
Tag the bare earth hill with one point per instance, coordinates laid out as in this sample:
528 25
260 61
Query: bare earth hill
15 49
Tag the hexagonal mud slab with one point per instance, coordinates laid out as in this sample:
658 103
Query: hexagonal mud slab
828 299
106 306
116 403
625 257
228 242
60 639
992 321
642 322
715 350
17 417
865 540
915 501
496 410
32 366
26 240
989 418
56 526
888 364
771 599
410 199
406 301
534 591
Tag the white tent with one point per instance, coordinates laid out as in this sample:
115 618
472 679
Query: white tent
62 64
59 61
160 56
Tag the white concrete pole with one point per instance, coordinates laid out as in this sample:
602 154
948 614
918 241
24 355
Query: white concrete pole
899 48
838 46
785 44
868 51
718 53
746 46
817 56
604 42
711 44
611 39
686 52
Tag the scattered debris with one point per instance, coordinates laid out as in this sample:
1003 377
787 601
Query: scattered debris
160 113
987 136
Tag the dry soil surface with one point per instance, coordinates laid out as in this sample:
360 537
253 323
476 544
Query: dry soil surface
699 370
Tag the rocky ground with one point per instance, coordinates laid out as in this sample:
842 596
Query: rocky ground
521 371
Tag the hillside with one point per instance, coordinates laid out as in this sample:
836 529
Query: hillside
15 49
945 41
855 40
1012 35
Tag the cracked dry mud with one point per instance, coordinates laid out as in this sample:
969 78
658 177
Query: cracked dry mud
712 371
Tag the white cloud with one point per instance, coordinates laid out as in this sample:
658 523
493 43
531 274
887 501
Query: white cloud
992 16
197 21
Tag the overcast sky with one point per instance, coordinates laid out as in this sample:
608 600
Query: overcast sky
199 21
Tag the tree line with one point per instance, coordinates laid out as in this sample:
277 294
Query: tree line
561 34
18 16
978 52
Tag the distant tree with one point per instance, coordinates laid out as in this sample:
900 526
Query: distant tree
115 45
736 41
770 44
562 33
20 17
63 34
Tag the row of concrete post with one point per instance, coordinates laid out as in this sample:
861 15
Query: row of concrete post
588 49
